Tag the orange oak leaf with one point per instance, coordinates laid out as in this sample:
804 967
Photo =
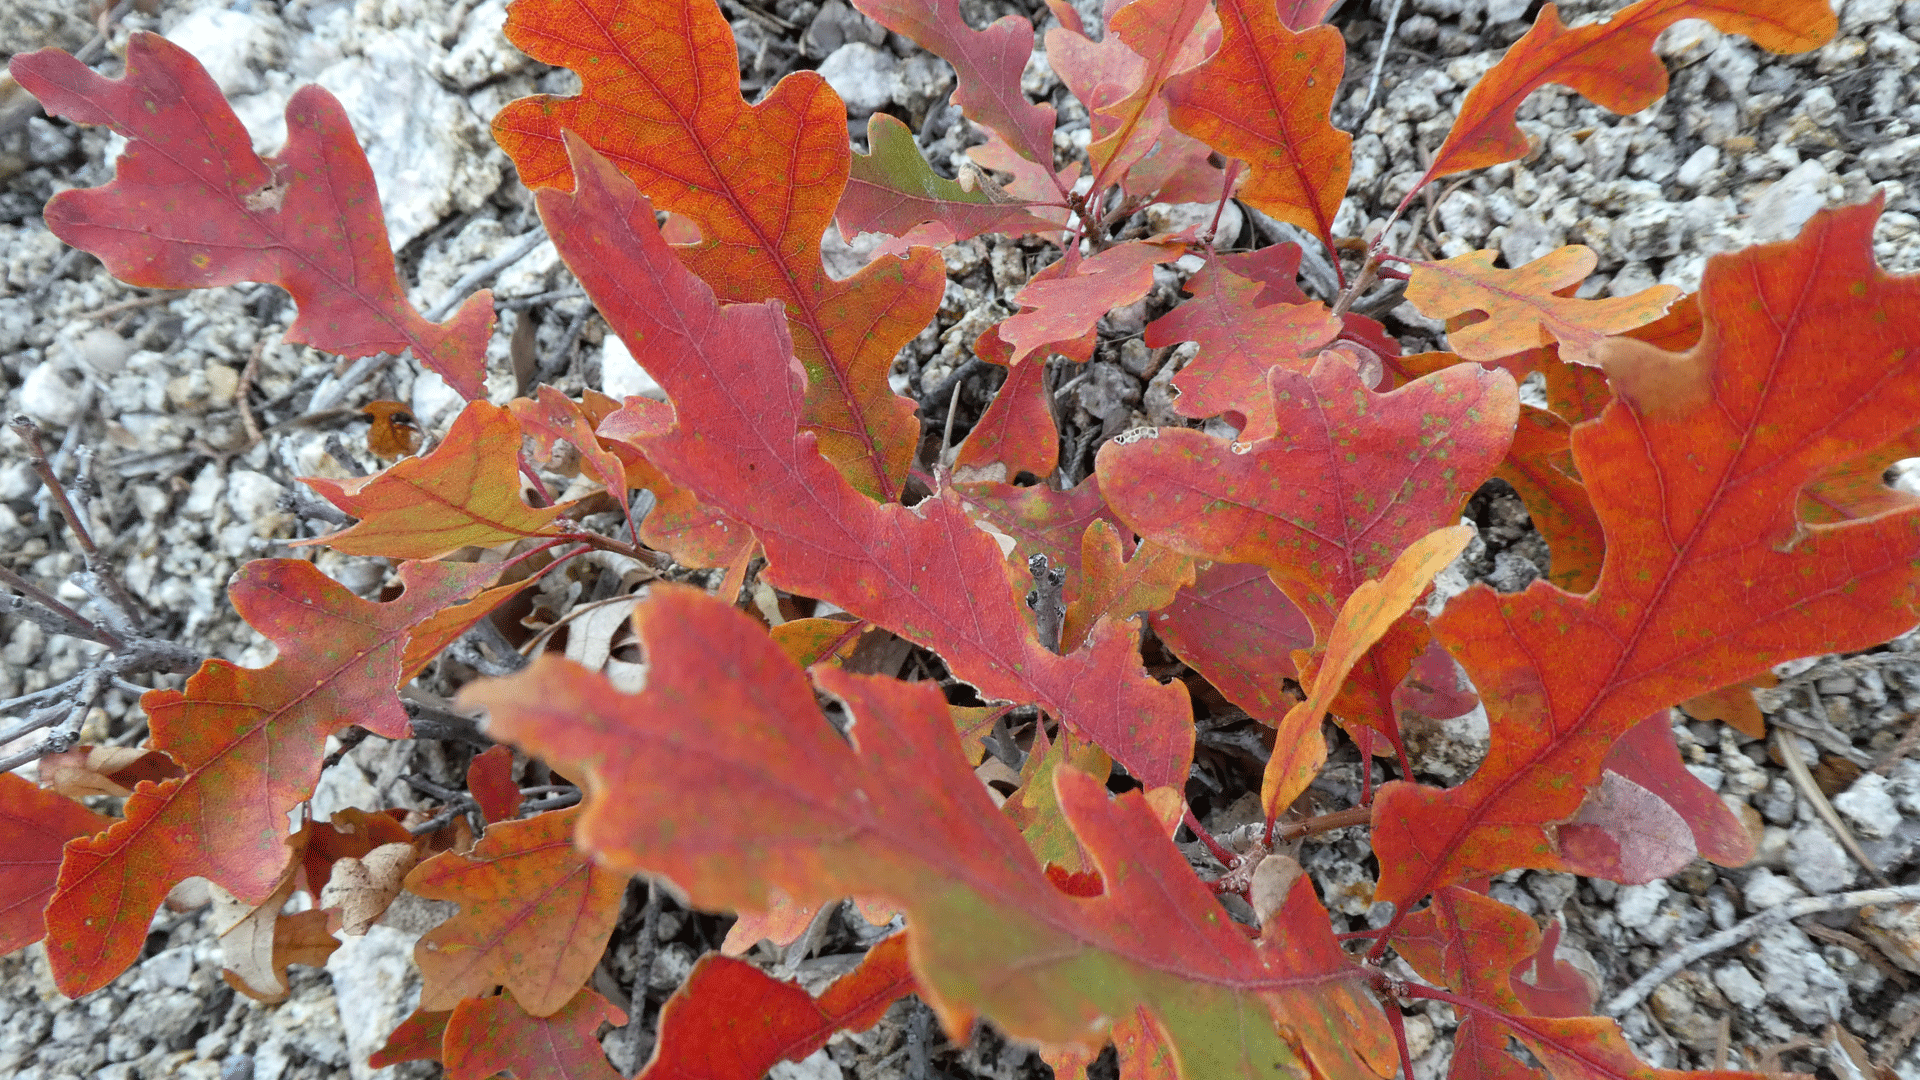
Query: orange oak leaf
1709 578
891 189
679 524
192 206
701 1036
34 825
927 573
534 916
1243 332
1522 307
1336 495
783 922
1169 36
893 811
1016 434
1611 64
660 97
1858 488
1266 98
1539 468
1365 617
250 741
1239 631
486 1036
1113 584
446 626
1063 302
465 493
1479 947
1733 705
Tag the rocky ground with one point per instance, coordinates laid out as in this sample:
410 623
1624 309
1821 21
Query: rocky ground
1744 148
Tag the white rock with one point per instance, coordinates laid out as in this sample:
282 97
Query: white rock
862 75
1894 158
430 154
621 376
1865 14
1740 986
1783 208
205 493
435 404
483 52
253 497
1698 166
1652 230
818 1065
1868 805
103 350
48 396
1634 906
1173 217
234 47
1817 862
1799 978
376 985
1765 889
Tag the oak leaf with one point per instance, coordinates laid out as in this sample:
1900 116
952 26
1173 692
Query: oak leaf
891 189
250 742
192 206
486 1036
1063 302
465 493
660 97
1239 631
927 573
894 812
1709 578
534 916
34 825
1522 307
1016 434
1266 98
701 1036
490 781
418 1038
1611 64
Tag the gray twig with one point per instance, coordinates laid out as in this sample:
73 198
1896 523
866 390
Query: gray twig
1380 61
1733 935
1049 609
484 273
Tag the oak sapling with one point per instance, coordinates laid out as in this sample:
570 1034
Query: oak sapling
1707 476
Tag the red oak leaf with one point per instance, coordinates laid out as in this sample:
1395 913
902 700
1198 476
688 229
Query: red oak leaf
1239 631
1243 333
418 1038
1694 471
702 1037
660 97
987 63
465 493
534 916
1266 98
1598 845
1478 947
927 573
895 812
1336 495
488 1036
1611 64
251 741
1169 36
1539 468
1016 434
1064 301
34 826
192 206
490 780
891 189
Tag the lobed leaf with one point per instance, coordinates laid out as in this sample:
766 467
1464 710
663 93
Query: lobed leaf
1522 307
465 493
891 189
34 826
1266 98
250 741
534 916
1063 302
1611 64
192 206
701 1036
488 1036
926 573
895 813
660 97
1694 471
1239 631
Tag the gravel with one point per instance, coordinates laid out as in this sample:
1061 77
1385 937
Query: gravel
1744 149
